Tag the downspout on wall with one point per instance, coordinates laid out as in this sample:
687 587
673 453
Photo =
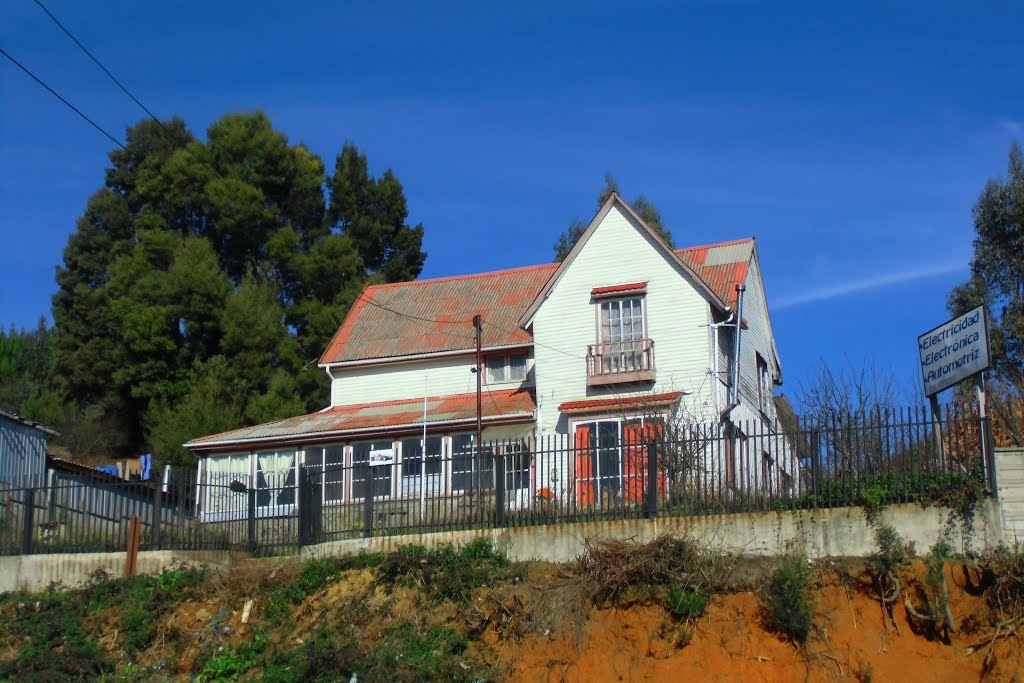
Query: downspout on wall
740 289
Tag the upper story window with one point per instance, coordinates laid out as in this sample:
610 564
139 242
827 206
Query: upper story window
764 385
623 353
621 320
506 367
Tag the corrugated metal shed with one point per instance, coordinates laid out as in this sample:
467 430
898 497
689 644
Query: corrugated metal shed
22 451
390 415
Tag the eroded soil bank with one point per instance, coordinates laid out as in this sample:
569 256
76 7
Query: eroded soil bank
622 613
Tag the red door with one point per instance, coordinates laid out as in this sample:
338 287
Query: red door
584 466
635 441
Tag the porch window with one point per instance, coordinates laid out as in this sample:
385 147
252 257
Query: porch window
330 460
418 471
275 479
472 468
380 475
221 470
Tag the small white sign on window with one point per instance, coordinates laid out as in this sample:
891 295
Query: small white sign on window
385 456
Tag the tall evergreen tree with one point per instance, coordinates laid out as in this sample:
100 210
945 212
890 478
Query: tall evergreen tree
997 282
219 259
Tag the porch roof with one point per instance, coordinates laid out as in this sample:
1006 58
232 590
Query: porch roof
619 404
344 422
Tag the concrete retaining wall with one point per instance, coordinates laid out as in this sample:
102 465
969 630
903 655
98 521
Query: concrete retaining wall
1010 483
823 533
34 573
833 532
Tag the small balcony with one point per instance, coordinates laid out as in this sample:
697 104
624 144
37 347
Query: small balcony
620 362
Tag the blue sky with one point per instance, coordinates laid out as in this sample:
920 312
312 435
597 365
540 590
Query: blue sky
851 139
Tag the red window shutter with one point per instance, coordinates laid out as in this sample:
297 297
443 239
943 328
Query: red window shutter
634 452
584 467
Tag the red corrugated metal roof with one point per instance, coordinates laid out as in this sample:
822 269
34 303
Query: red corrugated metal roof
384 416
721 266
615 289
428 316
621 403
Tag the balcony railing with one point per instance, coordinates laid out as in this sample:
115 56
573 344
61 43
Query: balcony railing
620 362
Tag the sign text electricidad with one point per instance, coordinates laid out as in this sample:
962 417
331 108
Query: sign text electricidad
953 351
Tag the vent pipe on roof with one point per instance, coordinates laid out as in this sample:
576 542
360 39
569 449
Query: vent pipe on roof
740 288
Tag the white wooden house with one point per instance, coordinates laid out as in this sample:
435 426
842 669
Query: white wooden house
624 336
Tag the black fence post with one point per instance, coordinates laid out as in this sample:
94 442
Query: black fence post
158 513
499 490
816 465
26 529
368 502
652 480
251 527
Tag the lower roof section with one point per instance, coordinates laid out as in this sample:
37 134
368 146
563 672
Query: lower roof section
387 417
620 404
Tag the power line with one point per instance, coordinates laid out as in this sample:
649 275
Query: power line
97 62
58 96
457 323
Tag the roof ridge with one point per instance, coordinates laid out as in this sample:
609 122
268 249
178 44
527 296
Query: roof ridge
468 276
741 240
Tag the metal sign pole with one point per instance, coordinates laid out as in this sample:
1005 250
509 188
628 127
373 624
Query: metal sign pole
937 428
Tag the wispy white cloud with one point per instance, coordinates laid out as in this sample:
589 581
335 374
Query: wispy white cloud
816 294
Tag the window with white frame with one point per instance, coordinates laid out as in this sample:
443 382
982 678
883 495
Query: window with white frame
275 478
506 367
330 461
419 473
621 334
380 474
221 471
472 468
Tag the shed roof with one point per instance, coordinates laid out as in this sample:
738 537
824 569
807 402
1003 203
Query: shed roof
14 417
347 421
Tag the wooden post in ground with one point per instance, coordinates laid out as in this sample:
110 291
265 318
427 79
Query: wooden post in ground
131 559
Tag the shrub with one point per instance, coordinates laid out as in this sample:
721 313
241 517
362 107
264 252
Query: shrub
787 601
686 604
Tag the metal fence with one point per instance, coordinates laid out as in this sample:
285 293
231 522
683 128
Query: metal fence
607 470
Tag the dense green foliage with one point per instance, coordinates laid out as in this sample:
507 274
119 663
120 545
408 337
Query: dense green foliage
52 629
643 207
997 282
202 282
58 632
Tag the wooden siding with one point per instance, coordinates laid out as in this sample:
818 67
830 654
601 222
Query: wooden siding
757 339
397 381
620 251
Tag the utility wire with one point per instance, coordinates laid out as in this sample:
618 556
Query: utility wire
58 96
97 62
461 324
